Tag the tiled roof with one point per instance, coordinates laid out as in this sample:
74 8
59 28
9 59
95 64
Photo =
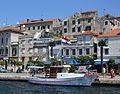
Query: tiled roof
87 33
93 11
12 28
112 33
35 22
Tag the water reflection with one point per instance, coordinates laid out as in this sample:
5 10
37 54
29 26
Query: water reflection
14 87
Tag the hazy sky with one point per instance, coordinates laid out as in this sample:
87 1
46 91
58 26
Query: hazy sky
13 11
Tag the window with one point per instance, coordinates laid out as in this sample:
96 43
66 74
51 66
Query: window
28 28
6 40
2 40
73 22
78 21
73 29
38 27
14 51
48 27
73 52
80 51
67 51
65 30
2 51
89 20
106 22
43 27
88 28
106 51
6 50
79 29
33 27
65 23
87 51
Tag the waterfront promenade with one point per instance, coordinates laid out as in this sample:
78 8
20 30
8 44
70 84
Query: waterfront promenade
106 80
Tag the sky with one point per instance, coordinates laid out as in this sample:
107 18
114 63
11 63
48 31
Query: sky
13 11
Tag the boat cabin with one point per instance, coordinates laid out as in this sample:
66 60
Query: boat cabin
54 70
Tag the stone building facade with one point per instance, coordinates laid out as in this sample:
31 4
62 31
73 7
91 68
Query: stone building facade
9 42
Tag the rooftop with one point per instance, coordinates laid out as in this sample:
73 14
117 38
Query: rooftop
11 28
36 22
87 33
92 11
112 33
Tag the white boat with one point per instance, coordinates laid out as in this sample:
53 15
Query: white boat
55 77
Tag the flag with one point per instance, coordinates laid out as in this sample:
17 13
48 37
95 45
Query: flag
65 40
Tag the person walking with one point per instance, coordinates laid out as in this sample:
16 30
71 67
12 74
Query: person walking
104 71
112 73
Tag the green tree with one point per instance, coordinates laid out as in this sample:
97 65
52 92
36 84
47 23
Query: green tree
19 63
2 63
51 44
13 61
109 64
82 59
73 68
37 62
91 60
111 61
101 44
54 62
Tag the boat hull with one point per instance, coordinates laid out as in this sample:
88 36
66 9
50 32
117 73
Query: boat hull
77 81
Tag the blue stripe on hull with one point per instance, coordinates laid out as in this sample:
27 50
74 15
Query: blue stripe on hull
80 81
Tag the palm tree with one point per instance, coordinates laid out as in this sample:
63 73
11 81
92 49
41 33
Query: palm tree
101 44
51 44
110 63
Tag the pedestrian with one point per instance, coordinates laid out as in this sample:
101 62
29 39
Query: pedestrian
112 73
104 71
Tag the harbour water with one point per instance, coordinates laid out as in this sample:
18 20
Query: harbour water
15 87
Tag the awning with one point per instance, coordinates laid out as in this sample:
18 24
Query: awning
98 61
70 61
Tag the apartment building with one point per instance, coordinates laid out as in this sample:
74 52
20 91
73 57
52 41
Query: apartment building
34 47
85 45
80 21
107 23
9 42
33 26
89 21
113 45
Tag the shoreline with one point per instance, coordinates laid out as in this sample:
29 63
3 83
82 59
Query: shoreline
106 80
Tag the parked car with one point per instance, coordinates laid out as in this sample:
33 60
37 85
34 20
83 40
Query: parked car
2 70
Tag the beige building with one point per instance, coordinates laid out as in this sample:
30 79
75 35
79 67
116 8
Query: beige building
89 21
9 42
80 21
33 26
